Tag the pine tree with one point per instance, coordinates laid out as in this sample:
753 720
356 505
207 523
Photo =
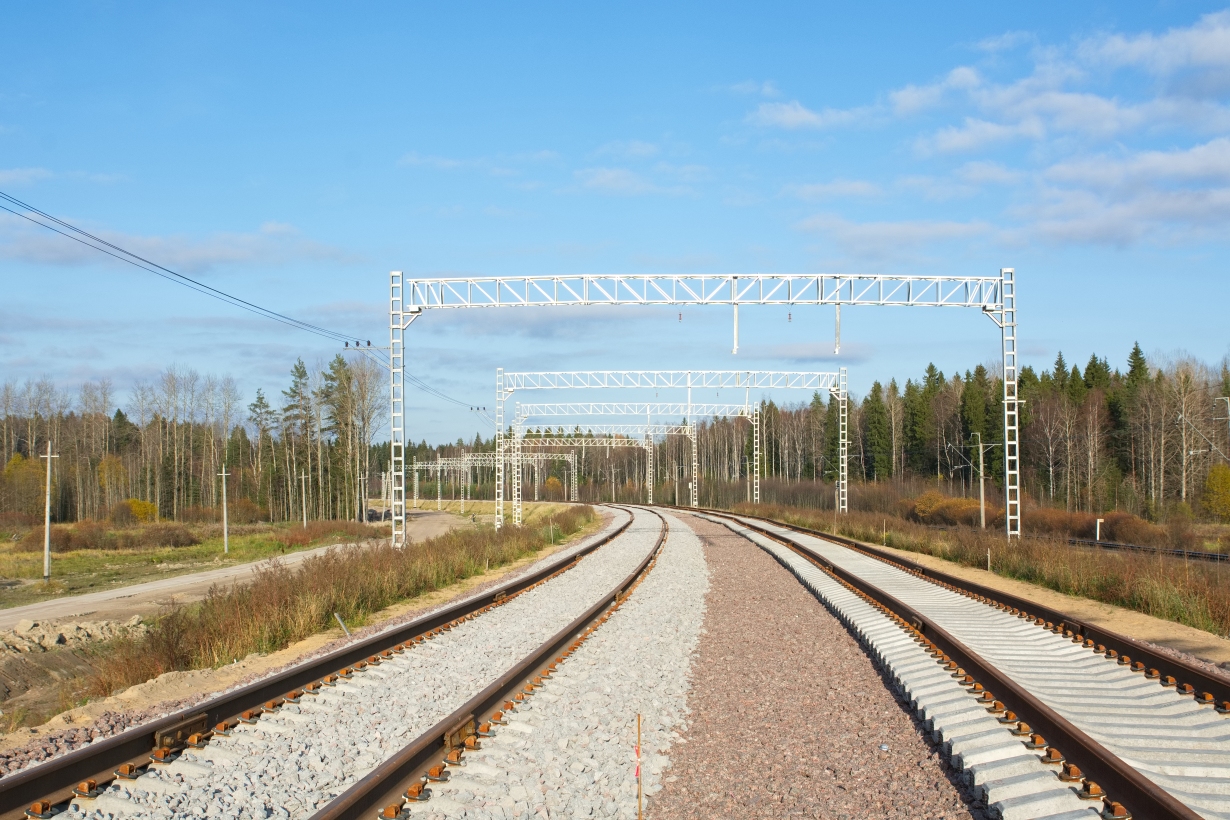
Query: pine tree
877 437
1076 389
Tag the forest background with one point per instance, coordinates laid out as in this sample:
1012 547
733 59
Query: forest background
1147 440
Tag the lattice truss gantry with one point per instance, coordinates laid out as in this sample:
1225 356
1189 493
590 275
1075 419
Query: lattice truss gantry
409 297
467 462
508 382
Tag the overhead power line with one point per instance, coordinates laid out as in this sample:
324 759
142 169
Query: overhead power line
69 231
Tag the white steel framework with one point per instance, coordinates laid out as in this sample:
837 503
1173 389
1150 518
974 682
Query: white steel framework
509 382
993 295
468 461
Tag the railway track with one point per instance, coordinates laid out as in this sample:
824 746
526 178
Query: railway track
1048 716
316 739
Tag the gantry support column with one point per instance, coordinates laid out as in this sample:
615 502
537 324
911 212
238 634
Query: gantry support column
756 455
649 465
573 462
695 475
397 408
516 466
415 468
1012 467
843 445
499 448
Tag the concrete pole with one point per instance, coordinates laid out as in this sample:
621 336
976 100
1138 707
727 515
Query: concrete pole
47 520
226 538
982 486
303 481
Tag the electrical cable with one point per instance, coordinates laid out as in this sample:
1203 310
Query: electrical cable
115 251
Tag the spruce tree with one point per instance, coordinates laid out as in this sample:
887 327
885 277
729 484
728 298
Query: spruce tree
1076 389
877 437
1060 373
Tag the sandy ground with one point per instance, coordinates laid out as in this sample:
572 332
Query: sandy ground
1195 642
122 603
177 685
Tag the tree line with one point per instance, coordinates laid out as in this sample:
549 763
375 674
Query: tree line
1141 439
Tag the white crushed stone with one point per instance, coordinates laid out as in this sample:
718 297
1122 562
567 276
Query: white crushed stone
296 760
569 751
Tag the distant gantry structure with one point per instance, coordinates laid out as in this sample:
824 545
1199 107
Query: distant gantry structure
409 297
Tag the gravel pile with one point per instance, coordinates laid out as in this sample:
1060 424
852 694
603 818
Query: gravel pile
569 751
292 762
791 718
54 744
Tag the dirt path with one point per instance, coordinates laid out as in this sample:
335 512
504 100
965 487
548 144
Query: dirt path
789 714
121 603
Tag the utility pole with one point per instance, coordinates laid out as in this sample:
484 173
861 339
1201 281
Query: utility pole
226 540
303 478
982 487
47 520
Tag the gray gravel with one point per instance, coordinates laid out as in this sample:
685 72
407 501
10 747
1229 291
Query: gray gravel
569 752
292 762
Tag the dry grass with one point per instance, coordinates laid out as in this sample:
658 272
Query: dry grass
1194 593
282 605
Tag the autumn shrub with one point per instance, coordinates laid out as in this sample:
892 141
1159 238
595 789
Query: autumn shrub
200 515
167 535
61 540
91 535
133 511
283 605
352 531
244 511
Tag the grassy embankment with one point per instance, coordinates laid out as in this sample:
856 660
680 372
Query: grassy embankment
1195 593
284 605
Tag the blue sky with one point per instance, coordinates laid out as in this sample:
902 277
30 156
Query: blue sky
295 154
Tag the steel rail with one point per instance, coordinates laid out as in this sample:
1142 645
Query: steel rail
55 780
1141 796
385 786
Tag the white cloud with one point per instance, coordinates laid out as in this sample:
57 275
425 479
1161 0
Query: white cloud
976 133
21 176
274 243
414 158
880 239
1206 44
1207 163
987 173
1006 41
793 115
916 98
838 188
764 89
629 149
614 181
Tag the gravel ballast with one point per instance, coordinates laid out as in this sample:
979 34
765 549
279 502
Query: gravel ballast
570 750
790 717
291 762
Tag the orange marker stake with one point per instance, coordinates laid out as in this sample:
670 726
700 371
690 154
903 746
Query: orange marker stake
638 766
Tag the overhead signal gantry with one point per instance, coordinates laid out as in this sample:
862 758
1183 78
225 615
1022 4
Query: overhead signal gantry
995 296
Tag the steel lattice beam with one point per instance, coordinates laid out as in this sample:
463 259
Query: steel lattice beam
669 379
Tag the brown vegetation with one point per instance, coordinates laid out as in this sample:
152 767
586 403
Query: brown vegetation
1194 593
284 605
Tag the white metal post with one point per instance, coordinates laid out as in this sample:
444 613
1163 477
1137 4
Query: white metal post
47 520
649 465
516 474
1012 475
843 466
226 532
695 483
397 410
416 484
499 447
439 484
574 475
756 455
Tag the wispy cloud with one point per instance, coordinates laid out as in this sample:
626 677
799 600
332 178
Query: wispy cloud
1206 44
614 181
976 133
913 99
414 158
882 239
273 243
836 189
628 149
794 115
763 89
22 176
